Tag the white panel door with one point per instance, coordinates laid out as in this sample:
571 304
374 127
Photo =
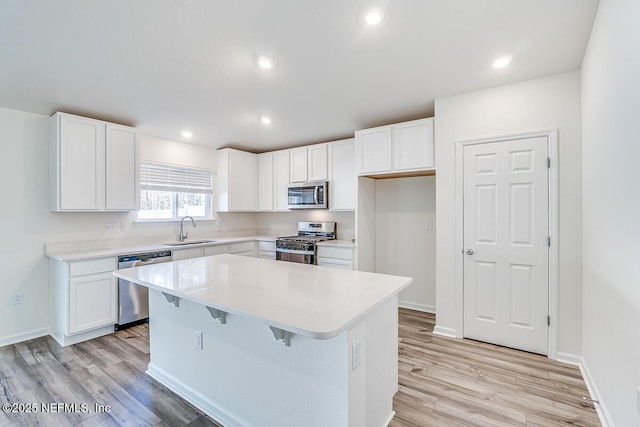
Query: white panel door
82 164
506 267
122 191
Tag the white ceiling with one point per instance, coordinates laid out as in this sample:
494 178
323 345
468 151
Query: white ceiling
164 66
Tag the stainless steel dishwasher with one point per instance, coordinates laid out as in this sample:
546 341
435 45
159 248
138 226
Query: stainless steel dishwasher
133 300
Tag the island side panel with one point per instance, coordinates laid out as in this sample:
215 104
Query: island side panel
242 375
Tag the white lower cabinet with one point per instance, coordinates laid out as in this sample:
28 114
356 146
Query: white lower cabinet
243 248
336 257
267 249
177 255
84 299
216 250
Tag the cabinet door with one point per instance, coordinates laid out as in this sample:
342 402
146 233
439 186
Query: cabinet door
317 162
92 302
216 250
298 164
413 145
82 163
243 181
281 180
265 182
122 189
177 255
373 150
342 175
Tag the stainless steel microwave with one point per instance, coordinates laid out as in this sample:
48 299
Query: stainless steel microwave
308 195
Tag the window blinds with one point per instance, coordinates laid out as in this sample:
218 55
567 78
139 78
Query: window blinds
162 177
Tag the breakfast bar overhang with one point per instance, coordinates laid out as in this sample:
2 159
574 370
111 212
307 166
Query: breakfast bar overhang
255 342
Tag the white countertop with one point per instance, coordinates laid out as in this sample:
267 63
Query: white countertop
338 243
76 255
303 299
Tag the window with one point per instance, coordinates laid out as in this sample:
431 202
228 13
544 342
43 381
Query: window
171 192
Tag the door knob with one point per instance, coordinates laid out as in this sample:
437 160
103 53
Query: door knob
469 251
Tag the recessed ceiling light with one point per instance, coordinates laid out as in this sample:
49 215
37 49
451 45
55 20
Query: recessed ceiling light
264 62
501 62
373 18
265 120
186 134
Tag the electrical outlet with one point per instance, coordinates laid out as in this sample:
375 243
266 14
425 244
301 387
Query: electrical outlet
198 340
123 226
109 226
429 225
355 356
17 298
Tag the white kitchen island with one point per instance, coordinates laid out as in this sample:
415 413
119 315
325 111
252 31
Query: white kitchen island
256 342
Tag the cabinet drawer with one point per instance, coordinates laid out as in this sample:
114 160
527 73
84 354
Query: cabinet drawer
267 246
186 254
234 248
334 252
335 263
216 250
267 255
92 266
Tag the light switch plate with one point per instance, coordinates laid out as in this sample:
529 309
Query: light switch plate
356 355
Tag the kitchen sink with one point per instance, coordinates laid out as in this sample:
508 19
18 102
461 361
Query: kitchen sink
191 242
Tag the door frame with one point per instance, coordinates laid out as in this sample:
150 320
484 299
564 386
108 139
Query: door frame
552 150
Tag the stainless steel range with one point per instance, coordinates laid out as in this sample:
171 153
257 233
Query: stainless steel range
302 248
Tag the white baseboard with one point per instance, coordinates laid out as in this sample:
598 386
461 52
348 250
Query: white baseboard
416 306
25 336
444 332
601 409
389 418
571 359
197 399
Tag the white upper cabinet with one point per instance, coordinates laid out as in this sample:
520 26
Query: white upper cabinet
122 168
308 163
343 180
280 180
317 162
413 145
92 165
373 150
237 181
266 182
399 148
298 164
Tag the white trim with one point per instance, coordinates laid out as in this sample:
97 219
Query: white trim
601 409
569 358
417 306
25 336
197 399
82 336
552 150
445 332
389 419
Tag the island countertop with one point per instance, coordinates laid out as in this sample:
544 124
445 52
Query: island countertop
317 302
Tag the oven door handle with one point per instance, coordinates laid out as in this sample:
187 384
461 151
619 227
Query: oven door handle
294 251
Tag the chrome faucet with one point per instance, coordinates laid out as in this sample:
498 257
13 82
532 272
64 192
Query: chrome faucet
182 234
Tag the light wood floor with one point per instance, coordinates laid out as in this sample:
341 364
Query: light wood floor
443 382
453 382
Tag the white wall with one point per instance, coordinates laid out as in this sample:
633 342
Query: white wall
404 245
28 225
286 223
542 104
611 206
